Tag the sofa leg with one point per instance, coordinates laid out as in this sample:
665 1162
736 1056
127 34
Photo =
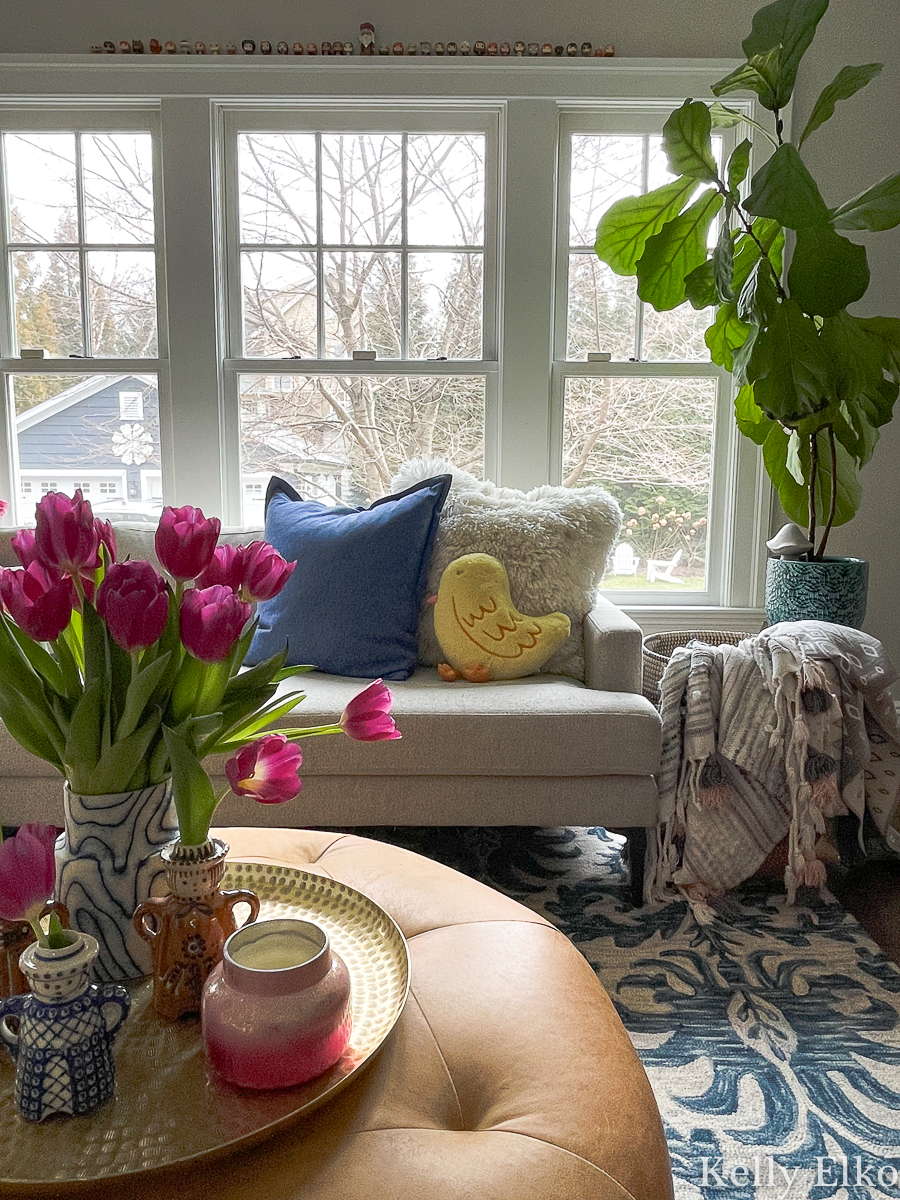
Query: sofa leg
637 855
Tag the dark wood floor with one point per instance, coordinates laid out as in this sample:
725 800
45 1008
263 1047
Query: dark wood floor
871 891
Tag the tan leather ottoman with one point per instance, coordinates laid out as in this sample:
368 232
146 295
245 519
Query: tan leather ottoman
508 1075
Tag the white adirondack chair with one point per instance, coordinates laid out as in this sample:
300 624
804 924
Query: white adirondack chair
661 568
624 560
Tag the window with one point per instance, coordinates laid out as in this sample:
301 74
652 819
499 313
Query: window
283 272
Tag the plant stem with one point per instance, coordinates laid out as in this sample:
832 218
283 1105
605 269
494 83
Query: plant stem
832 506
811 491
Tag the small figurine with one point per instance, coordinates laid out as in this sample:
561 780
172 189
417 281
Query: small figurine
137 46
492 49
214 47
439 48
184 46
96 49
533 49
610 52
464 48
155 47
383 49
348 47
265 47
586 49
326 47
598 52
283 48
571 50
479 48
425 48
451 49
546 49
125 46
312 48
367 38
559 51
109 47
231 48
199 48
248 47
504 48
519 49
398 47
297 48
171 48
410 47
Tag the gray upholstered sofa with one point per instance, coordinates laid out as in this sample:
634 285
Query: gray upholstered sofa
544 750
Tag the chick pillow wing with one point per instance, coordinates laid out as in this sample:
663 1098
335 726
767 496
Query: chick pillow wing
481 632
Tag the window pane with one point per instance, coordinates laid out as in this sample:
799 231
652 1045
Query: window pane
649 441
362 304
602 309
604 169
123 303
445 183
47 299
362 188
340 439
278 188
445 305
70 433
117 169
40 183
279 292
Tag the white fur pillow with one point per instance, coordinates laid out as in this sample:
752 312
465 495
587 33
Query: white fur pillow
553 541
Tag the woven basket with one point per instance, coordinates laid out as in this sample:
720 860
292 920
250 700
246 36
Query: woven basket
658 649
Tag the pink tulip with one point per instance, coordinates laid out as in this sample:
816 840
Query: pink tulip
185 541
24 546
4 507
107 535
39 601
27 872
211 622
65 534
134 603
366 716
226 567
267 770
265 571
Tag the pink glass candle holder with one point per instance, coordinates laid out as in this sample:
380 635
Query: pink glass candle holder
276 1011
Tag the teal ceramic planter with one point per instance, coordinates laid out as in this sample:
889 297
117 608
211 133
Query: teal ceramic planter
834 589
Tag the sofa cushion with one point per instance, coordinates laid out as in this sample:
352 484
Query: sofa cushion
553 541
351 606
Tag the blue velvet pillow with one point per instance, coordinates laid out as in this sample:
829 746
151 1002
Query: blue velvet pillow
352 605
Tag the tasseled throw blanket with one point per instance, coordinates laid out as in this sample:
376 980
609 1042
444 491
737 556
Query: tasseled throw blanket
763 741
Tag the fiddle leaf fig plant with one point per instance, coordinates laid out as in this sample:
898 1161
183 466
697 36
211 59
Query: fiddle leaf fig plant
815 383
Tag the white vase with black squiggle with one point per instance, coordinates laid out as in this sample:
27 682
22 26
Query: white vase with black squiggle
107 863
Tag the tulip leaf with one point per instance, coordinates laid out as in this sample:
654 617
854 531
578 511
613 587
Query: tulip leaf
69 667
786 28
625 226
687 143
83 743
140 690
250 729
845 84
116 766
195 800
827 271
43 663
290 672
262 673
783 190
670 255
877 208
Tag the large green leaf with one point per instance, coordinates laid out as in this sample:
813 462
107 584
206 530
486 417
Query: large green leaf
755 76
117 764
796 382
739 164
626 225
670 255
724 117
857 358
787 26
687 143
43 663
877 208
749 417
141 688
195 800
783 190
726 334
845 84
18 717
827 271
700 286
885 332
793 496
83 743
723 266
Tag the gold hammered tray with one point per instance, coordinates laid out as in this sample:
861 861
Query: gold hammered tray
169 1107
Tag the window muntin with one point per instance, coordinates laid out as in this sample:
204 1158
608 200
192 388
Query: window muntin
362 241
79 229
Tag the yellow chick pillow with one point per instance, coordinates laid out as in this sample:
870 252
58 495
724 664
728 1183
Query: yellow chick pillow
482 634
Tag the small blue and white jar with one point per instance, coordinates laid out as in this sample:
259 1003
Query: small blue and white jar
61 1032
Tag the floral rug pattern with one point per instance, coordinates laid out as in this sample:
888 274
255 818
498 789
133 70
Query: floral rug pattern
771 1038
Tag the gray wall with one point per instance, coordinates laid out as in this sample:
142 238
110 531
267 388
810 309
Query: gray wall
861 144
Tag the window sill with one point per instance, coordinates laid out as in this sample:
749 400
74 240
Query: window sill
661 618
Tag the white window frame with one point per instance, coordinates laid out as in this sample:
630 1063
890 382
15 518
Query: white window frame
185 101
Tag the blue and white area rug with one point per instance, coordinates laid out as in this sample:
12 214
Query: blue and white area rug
771 1039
